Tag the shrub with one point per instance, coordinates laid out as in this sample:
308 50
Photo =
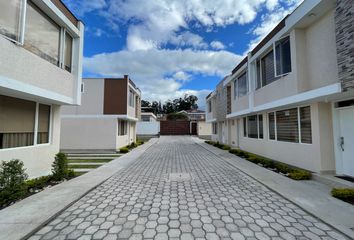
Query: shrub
12 182
233 151
124 150
226 147
132 145
60 167
38 183
177 116
140 142
283 168
298 174
343 193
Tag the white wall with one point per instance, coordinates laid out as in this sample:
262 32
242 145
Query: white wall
148 128
38 159
204 129
88 133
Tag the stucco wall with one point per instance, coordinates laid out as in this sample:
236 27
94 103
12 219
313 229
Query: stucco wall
317 157
21 65
88 133
38 159
91 99
204 129
148 128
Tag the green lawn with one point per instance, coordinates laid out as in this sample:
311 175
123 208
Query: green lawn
77 166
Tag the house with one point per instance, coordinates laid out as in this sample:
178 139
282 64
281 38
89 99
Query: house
197 123
41 46
291 98
148 117
106 119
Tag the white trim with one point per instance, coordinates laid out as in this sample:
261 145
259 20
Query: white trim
210 120
25 147
123 117
338 155
23 22
295 99
20 87
36 118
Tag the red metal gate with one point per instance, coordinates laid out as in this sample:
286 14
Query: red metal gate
175 127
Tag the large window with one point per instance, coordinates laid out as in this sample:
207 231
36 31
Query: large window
68 52
42 35
240 86
10 12
131 98
215 128
18 121
267 66
291 125
43 124
122 128
283 56
253 126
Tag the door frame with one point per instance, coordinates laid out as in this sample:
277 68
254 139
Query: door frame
336 137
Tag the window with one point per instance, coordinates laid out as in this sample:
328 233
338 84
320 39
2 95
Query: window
10 12
18 120
68 52
245 127
305 118
131 98
240 86
215 128
42 35
271 119
209 106
43 124
253 126
267 69
283 56
145 118
287 125
122 127
291 125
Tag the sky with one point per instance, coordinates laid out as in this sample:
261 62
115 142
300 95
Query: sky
170 48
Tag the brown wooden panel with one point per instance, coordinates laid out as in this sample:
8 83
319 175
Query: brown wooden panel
175 128
61 6
115 96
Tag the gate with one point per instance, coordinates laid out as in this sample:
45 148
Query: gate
170 127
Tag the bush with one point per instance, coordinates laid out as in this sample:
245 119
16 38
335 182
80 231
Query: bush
60 168
298 174
140 142
132 145
233 151
343 193
124 150
177 116
283 168
12 182
38 183
226 147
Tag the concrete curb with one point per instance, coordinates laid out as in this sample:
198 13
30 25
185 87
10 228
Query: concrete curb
315 201
24 218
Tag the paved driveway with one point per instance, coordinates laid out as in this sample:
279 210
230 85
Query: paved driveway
179 190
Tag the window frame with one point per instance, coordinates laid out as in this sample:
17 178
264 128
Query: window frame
131 98
245 127
275 57
236 85
298 123
35 132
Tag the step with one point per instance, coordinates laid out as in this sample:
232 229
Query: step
81 163
93 155
81 170
90 157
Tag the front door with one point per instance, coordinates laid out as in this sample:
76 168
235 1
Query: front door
347 140
194 128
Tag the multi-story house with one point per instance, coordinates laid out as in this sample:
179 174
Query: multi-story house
106 119
41 48
291 99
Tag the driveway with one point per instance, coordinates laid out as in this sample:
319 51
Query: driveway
179 190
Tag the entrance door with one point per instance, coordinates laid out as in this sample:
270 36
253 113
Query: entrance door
347 140
194 128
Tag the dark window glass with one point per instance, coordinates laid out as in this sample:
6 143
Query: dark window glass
305 119
252 126
260 126
283 56
271 119
287 125
268 75
242 85
43 124
259 80
68 52
245 127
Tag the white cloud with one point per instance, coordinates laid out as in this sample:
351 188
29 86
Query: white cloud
161 74
82 7
217 45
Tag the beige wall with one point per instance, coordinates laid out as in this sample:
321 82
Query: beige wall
317 157
38 159
88 133
91 99
21 65
204 129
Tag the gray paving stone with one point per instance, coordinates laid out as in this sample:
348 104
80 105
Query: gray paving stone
217 202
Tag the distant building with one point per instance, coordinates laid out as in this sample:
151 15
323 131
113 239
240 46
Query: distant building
106 119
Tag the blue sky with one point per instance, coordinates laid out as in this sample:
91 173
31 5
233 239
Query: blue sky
173 47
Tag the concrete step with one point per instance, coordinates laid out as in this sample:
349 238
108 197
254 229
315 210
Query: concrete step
87 157
81 170
81 163
93 155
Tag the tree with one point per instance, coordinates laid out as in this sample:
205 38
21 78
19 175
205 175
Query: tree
145 103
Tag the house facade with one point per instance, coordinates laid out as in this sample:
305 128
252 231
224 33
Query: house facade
292 97
198 125
106 119
41 46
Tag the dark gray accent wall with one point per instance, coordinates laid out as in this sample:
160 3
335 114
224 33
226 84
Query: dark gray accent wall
344 20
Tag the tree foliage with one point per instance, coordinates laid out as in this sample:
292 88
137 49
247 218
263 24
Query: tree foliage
188 102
